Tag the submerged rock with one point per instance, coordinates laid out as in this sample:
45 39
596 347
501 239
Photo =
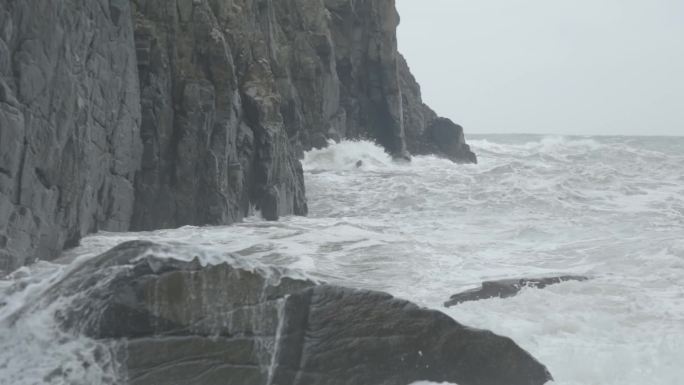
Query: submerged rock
178 322
507 288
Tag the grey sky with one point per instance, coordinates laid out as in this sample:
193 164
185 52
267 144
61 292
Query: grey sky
550 66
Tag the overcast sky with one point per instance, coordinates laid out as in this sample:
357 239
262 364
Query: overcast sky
550 66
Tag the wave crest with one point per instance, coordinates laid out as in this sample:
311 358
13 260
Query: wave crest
345 155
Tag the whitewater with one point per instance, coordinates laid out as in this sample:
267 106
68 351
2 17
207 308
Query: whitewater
610 208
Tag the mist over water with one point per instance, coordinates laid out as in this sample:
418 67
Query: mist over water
611 208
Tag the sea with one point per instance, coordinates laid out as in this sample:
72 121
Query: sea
610 208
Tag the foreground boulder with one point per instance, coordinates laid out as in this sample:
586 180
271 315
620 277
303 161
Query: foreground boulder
507 288
178 322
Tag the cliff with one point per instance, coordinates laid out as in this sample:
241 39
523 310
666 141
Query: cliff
118 114
69 124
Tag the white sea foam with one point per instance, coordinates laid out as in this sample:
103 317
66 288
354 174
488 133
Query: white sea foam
432 383
345 155
610 208
34 350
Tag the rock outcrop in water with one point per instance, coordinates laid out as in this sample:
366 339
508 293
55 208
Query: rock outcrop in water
118 115
508 288
427 133
229 324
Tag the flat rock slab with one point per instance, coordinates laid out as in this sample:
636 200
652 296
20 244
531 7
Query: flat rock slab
507 288
175 322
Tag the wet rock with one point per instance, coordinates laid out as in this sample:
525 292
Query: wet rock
180 322
446 138
269 205
319 141
508 288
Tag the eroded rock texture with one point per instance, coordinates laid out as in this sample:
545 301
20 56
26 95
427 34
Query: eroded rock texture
226 324
146 114
69 124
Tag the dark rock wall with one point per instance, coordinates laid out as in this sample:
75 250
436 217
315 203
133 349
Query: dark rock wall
118 114
69 124
214 137
365 40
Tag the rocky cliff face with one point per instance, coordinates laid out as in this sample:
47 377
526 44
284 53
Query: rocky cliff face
118 114
215 140
69 124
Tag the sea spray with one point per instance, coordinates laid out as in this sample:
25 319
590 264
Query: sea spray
608 207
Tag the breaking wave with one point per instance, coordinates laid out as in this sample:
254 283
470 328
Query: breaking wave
611 208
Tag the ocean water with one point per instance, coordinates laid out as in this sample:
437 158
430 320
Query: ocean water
611 208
